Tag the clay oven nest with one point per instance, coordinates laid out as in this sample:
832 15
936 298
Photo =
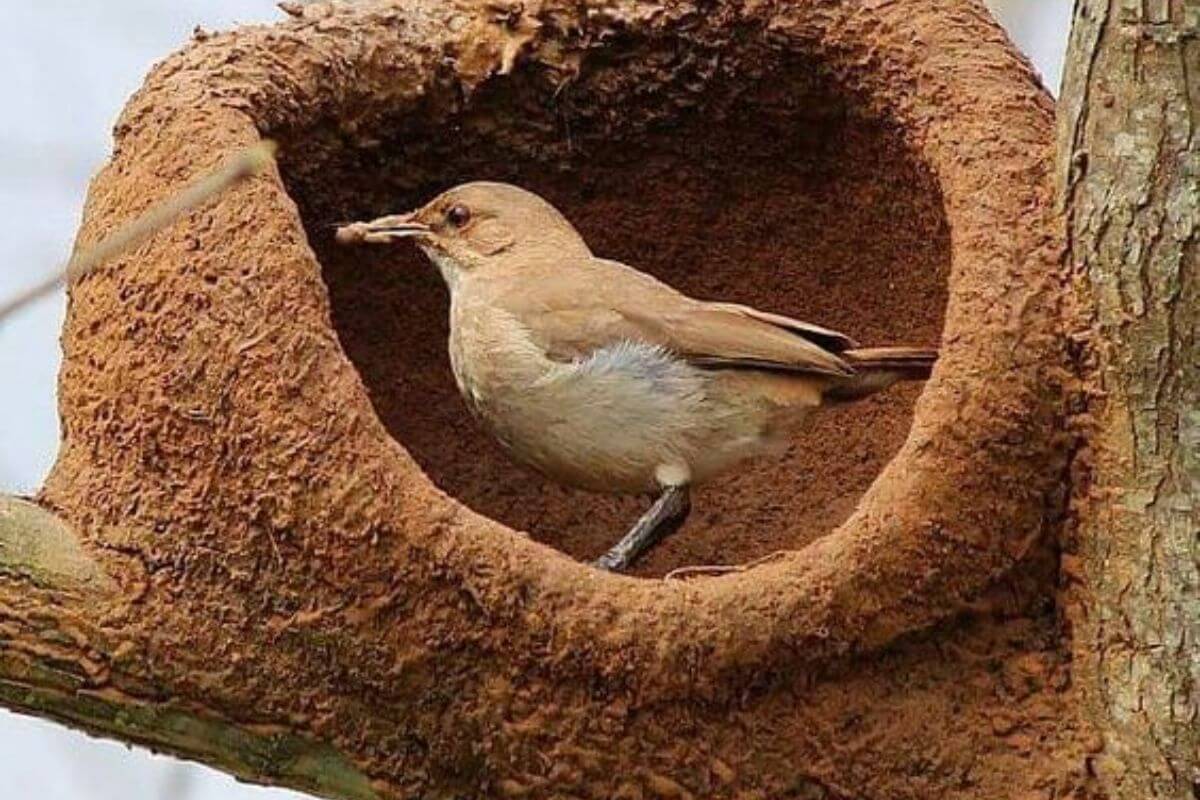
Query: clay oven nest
273 414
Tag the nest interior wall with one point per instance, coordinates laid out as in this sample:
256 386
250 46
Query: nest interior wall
773 189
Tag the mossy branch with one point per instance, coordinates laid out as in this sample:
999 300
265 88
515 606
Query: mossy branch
49 583
37 546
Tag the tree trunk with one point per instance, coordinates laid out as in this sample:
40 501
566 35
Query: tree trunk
1130 176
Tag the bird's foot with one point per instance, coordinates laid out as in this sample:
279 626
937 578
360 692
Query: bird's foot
664 518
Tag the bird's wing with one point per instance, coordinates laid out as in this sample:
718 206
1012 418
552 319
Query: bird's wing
831 340
610 303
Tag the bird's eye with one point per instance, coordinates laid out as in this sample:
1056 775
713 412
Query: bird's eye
458 216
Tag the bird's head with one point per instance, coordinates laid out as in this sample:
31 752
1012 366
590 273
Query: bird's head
474 227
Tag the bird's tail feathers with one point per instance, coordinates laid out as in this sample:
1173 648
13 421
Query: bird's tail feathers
916 363
877 368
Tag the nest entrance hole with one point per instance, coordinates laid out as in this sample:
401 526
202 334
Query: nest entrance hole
771 190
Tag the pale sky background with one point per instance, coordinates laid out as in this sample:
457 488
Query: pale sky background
67 67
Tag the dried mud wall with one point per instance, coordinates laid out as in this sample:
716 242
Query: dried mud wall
263 447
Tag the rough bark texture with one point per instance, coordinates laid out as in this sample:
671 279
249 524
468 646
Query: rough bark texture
247 413
1130 163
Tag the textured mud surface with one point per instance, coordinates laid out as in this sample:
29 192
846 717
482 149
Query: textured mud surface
263 445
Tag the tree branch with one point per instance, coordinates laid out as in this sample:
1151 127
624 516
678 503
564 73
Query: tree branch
250 161
54 664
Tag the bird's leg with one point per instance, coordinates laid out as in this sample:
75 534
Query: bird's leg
664 518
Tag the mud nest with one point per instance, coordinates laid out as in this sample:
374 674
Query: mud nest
263 445
252 388
267 420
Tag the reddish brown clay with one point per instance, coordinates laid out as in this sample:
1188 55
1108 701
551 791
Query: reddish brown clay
261 435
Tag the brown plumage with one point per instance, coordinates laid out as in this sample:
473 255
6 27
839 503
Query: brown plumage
605 378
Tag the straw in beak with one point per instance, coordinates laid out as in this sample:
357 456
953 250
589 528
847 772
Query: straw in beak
383 230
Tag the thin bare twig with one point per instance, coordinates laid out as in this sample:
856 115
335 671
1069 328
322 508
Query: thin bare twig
716 570
248 162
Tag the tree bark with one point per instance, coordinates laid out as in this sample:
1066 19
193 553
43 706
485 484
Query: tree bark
1130 178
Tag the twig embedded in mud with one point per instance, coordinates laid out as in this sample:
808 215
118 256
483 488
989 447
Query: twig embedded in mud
715 570
248 162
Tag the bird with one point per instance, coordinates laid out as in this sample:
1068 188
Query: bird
604 378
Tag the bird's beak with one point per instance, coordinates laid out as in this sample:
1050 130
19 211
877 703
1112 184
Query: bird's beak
383 230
